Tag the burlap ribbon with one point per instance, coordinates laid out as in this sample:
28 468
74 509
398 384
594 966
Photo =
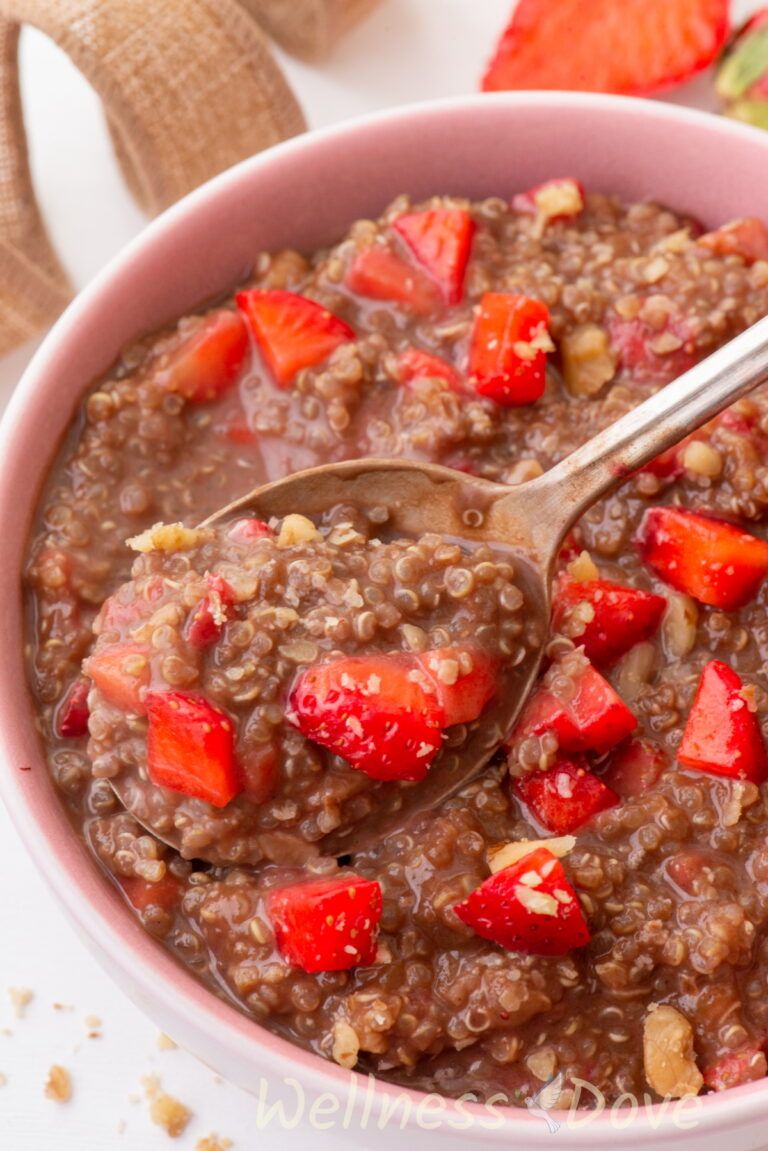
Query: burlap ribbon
189 87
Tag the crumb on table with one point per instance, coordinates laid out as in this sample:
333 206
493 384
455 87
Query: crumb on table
58 1084
20 998
169 1113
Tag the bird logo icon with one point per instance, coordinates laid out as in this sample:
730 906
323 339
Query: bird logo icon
545 1101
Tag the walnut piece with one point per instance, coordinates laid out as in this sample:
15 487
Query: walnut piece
588 361
668 1055
296 529
168 538
346 1044
58 1085
509 853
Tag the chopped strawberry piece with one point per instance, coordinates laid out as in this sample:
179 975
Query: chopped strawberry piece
746 238
327 924
190 747
165 893
236 431
248 529
594 718
713 561
292 332
413 364
669 465
636 345
564 797
722 735
556 200
529 907
260 772
121 673
380 274
118 614
635 768
620 617
508 350
440 240
735 1068
372 711
635 47
209 358
206 620
73 712
460 695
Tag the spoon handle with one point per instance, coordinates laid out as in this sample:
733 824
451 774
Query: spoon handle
605 461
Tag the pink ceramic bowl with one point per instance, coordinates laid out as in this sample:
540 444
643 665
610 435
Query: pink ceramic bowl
305 193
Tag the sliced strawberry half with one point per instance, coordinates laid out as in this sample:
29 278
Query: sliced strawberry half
593 717
566 796
713 561
606 618
208 359
529 907
292 331
191 747
554 200
73 713
722 735
248 529
441 240
327 924
376 712
380 274
747 238
207 618
414 364
735 1068
634 47
508 349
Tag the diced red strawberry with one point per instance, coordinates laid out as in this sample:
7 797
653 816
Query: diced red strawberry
463 698
142 894
713 561
372 711
635 768
621 617
206 620
292 331
529 907
440 240
236 431
413 364
72 714
544 199
209 358
327 924
380 274
191 747
722 735
260 772
747 238
121 673
669 465
508 349
634 343
248 529
119 614
735 1068
594 718
566 796
634 47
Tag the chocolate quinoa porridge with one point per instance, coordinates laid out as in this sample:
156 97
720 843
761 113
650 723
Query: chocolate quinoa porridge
596 904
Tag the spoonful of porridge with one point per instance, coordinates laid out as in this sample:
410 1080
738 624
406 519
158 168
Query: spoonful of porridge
339 650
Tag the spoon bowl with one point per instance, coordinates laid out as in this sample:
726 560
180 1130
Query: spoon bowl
530 521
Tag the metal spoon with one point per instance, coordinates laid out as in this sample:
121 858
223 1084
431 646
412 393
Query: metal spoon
533 519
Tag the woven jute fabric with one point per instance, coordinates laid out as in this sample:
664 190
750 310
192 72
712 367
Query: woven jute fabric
189 87
308 28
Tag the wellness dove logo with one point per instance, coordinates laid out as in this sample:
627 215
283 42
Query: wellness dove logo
545 1101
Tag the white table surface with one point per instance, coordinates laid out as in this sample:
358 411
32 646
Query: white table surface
407 50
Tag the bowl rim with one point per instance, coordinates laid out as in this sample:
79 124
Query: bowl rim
76 882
